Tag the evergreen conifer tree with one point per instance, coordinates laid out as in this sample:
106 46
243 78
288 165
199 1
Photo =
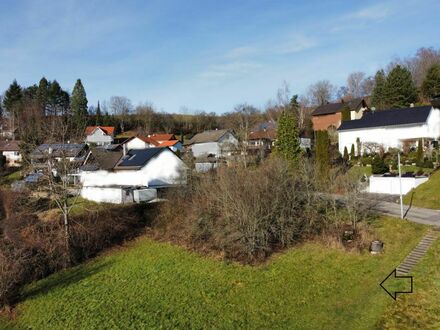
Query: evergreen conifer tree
378 97
345 156
42 94
322 153
400 89
12 99
431 84
352 153
78 105
287 144
346 112
98 115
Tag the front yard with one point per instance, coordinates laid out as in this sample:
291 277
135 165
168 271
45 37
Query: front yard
157 285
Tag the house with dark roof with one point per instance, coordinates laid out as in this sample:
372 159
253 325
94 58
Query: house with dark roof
216 143
140 172
11 151
99 135
390 128
329 116
55 152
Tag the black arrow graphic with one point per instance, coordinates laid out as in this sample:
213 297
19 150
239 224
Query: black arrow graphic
393 294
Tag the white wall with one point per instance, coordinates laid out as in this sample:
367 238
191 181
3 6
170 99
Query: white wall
99 137
163 170
102 195
136 143
391 136
215 148
391 185
204 149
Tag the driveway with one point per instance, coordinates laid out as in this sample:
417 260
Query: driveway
414 214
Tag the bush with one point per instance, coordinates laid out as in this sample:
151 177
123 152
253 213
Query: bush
247 214
366 160
378 165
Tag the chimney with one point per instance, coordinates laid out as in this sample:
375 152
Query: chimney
124 149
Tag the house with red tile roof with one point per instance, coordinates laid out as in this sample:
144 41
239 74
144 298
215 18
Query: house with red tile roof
174 145
100 135
163 137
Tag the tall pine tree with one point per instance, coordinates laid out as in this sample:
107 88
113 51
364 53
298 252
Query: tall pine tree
431 84
42 94
287 144
12 99
400 89
78 105
98 115
378 97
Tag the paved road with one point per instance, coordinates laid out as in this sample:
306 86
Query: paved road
415 214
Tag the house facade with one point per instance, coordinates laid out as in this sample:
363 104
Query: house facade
11 151
140 142
329 116
138 170
390 128
215 143
100 135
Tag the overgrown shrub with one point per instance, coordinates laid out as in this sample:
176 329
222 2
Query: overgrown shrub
247 214
378 165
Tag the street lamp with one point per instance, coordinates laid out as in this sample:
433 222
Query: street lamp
400 184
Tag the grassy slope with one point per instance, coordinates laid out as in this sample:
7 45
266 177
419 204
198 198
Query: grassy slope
151 284
427 194
420 310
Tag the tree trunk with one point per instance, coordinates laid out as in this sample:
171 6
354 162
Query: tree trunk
67 233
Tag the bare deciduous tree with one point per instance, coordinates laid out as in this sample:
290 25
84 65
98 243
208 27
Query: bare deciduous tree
321 92
121 106
354 84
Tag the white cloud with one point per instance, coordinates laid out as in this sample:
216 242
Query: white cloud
241 52
372 13
294 44
230 69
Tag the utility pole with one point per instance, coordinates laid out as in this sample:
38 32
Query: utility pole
400 185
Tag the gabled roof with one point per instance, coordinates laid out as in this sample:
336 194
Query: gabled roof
208 136
12 145
146 139
270 134
162 137
109 130
169 143
137 158
101 159
59 149
330 108
392 117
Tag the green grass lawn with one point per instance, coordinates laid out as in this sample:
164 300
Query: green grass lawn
148 284
427 194
360 170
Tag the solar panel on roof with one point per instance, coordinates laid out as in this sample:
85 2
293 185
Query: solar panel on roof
137 158
406 116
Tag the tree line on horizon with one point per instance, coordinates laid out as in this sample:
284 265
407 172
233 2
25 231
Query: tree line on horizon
404 81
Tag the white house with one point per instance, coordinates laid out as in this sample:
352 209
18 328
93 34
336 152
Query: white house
217 143
11 151
140 142
100 135
390 128
139 170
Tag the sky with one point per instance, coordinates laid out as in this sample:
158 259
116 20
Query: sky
206 55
